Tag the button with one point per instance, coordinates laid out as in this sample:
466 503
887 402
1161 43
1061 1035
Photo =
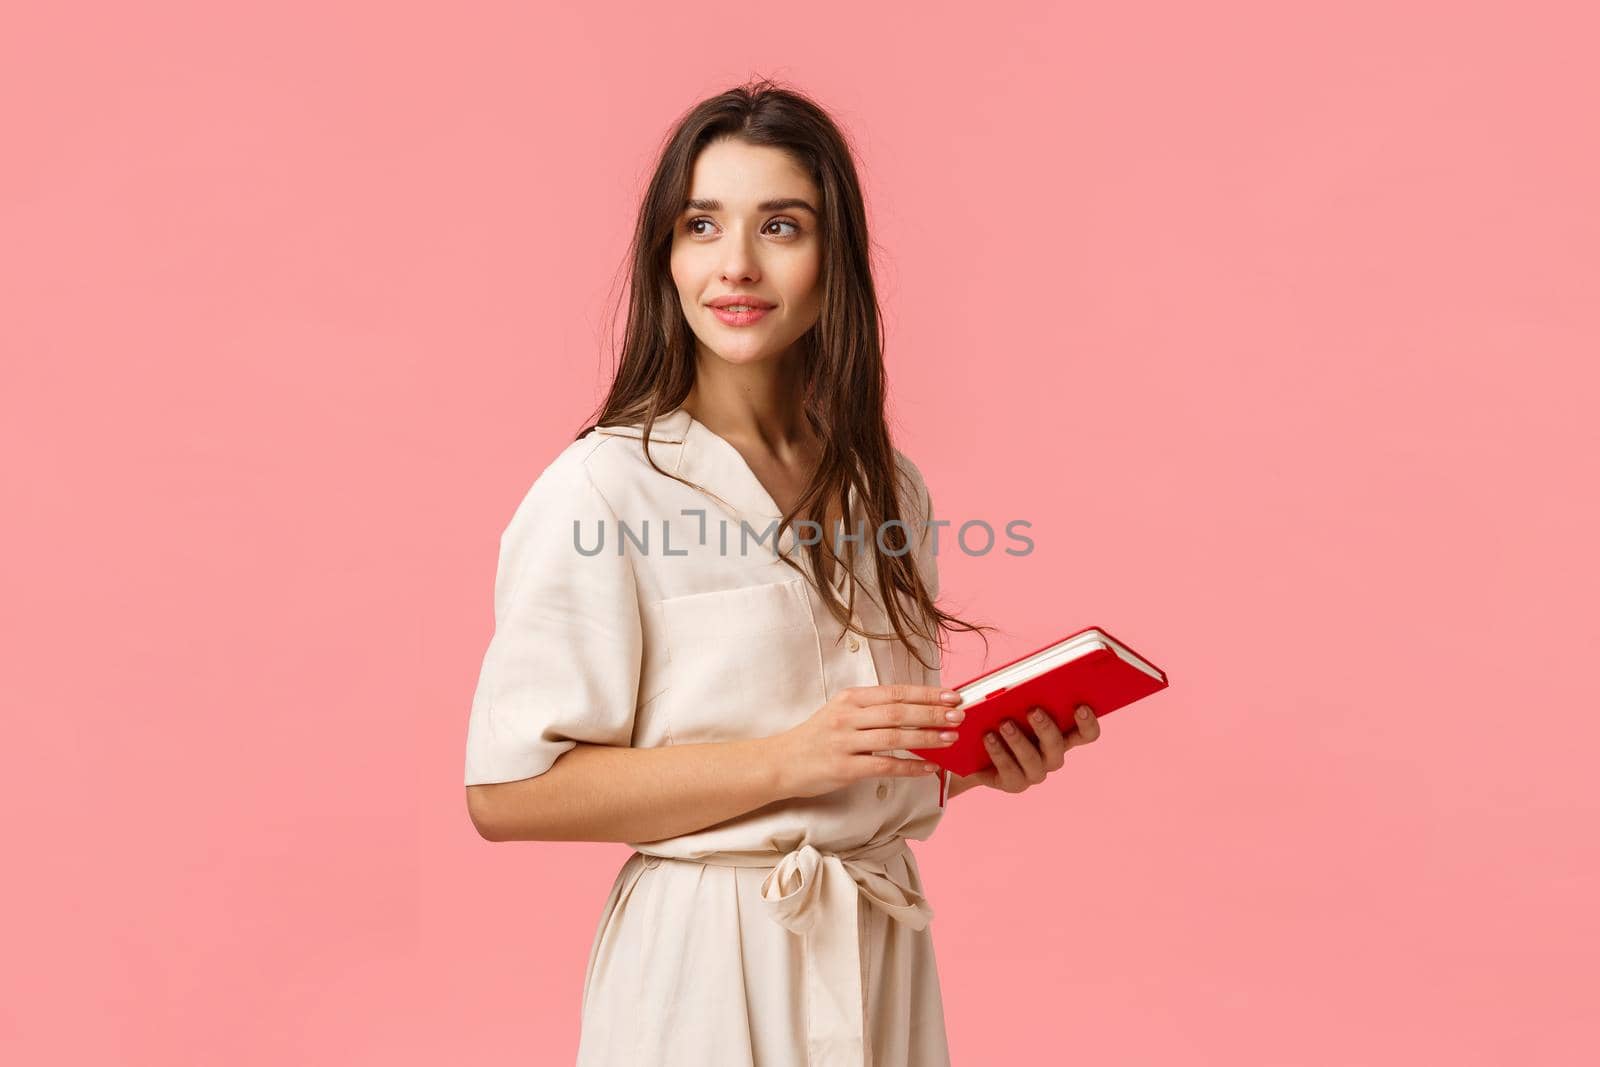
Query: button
883 790
853 644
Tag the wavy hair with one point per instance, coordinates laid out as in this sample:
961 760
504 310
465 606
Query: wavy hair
844 381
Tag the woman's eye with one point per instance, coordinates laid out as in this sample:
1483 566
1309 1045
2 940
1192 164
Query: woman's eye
692 223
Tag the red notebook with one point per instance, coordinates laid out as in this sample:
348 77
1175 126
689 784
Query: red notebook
1088 667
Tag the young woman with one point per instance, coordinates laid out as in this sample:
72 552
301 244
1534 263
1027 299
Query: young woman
675 667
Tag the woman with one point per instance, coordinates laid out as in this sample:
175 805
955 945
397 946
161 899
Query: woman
674 667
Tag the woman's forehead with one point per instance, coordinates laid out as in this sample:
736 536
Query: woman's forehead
741 177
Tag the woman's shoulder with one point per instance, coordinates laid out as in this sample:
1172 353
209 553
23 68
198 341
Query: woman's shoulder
561 486
907 467
568 468
911 487
596 469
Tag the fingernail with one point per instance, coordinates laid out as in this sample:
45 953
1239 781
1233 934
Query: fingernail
1008 728
948 735
992 740
1084 714
950 696
955 716
1038 716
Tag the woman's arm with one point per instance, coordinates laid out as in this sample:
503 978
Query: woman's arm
618 793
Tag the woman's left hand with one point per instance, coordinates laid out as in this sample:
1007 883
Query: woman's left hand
1019 763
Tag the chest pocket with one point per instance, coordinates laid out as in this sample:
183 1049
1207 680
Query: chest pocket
742 663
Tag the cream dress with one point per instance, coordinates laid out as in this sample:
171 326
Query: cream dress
797 933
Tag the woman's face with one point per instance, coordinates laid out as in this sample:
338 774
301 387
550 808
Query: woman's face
734 238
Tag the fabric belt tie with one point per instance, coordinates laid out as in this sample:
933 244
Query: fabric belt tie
817 895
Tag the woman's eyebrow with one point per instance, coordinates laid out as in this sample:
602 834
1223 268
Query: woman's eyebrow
783 204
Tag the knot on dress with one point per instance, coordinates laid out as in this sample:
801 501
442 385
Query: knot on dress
809 886
817 895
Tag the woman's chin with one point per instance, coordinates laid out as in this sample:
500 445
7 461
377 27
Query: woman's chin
745 357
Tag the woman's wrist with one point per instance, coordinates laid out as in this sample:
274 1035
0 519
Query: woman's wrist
772 754
959 784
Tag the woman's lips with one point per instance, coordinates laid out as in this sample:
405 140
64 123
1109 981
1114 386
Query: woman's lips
740 318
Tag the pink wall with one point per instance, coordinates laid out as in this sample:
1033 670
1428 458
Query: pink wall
1279 327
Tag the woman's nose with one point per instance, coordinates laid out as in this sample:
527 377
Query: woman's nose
739 259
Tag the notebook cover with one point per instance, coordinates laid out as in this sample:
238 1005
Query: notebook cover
1101 679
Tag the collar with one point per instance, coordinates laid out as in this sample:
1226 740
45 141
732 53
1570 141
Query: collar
720 470
709 461
668 428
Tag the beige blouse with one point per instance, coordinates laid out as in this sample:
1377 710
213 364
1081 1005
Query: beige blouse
796 933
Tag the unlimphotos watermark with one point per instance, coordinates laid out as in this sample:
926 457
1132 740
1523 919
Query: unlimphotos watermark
593 541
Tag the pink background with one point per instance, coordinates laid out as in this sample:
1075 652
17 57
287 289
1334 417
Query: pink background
1279 326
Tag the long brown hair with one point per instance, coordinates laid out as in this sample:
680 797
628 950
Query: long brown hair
843 373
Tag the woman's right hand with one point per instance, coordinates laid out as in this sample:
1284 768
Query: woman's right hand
835 746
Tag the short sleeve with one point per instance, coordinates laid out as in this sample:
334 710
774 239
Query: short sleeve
919 517
928 564
563 664
927 560
928 569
